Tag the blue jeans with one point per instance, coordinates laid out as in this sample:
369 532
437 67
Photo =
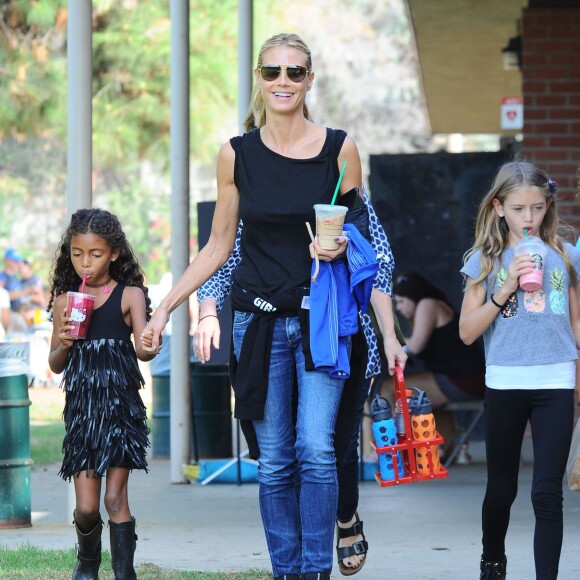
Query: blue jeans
299 527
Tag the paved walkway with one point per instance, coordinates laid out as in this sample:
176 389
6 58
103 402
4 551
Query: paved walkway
420 531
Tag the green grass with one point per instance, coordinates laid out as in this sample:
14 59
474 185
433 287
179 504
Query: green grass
47 404
31 563
46 442
46 425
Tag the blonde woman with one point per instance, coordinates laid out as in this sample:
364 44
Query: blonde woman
271 177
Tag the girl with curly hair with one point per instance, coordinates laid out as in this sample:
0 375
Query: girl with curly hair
106 432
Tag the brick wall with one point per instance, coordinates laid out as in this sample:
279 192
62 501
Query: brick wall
551 87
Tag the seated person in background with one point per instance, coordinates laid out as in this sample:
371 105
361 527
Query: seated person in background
9 276
22 284
27 311
451 370
31 286
11 323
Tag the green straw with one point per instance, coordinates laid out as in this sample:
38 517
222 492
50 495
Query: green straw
338 184
526 232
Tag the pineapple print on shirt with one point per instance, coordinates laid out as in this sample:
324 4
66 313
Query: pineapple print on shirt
535 301
557 298
510 308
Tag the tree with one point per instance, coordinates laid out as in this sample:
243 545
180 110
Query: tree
131 46
131 51
32 68
366 82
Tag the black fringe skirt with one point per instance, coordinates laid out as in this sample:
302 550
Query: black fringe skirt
104 416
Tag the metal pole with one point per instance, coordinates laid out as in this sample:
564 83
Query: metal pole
245 59
79 105
180 395
79 185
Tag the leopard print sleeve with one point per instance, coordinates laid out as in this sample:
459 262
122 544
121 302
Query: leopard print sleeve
383 282
380 243
220 284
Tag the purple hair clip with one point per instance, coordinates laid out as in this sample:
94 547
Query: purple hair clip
552 187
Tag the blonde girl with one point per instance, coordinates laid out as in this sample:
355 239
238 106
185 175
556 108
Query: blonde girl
531 341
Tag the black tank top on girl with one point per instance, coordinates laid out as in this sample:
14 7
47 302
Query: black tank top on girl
107 320
277 195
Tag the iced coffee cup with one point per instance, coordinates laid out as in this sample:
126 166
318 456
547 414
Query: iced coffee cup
79 308
329 222
532 281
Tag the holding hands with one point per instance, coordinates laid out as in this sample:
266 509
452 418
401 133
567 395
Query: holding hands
151 335
147 341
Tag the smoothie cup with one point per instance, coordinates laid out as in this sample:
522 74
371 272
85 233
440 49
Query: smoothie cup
329 222
532 280
79 308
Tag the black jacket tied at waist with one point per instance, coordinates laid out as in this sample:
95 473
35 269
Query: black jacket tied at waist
249 374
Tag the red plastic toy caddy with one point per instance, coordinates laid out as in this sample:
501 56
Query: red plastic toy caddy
407 445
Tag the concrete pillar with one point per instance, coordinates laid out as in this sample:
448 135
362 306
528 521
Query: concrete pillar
79 190
180 395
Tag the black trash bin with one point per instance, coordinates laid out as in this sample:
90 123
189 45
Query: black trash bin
211 407
160 401
160 416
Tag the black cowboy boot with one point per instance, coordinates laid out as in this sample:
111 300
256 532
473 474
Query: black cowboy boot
123 544
493 569
288 577
316 576
88 553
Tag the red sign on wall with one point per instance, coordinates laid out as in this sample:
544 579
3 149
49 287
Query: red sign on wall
512 113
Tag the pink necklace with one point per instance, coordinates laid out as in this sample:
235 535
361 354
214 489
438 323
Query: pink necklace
103 285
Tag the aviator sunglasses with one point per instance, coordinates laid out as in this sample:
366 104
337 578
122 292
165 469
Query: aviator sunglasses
270 72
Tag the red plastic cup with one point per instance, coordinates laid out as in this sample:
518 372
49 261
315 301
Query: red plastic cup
79 308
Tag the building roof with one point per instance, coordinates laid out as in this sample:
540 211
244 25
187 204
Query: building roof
459 44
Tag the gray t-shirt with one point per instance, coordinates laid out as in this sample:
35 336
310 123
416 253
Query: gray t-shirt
532 328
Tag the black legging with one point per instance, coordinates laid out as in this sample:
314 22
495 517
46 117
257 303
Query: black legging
348 469
350 412
551 415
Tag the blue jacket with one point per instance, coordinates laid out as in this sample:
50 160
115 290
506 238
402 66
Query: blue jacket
335 299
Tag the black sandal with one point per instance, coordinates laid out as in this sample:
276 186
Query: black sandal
359 548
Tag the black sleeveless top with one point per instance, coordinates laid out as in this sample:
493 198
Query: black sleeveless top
277 195
107 320
446 353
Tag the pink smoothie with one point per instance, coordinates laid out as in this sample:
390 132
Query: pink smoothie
532 281
80 308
